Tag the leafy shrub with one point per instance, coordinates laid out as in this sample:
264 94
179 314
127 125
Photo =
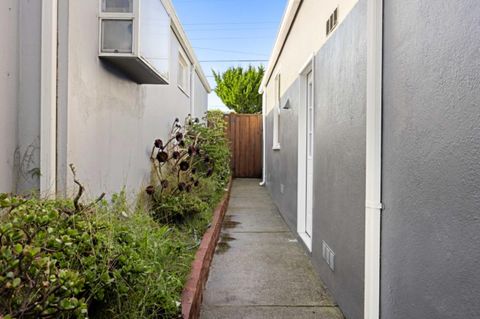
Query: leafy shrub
103 262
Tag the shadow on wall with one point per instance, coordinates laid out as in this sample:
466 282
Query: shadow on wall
27 168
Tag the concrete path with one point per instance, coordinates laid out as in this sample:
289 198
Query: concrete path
259 269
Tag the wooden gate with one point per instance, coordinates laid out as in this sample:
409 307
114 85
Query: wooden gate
245 134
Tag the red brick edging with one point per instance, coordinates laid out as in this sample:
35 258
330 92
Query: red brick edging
193 292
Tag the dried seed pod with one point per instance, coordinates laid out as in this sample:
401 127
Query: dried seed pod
158 143
179 136
184 166
150 190
164 183
191 150
188 188
162 157
176 155
182 186
182 143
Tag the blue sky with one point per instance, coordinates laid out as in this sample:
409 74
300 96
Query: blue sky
230 30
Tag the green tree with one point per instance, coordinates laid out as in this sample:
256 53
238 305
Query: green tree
238 88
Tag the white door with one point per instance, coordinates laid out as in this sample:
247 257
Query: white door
310 140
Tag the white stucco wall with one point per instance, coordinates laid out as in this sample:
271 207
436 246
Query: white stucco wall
112 121
8 92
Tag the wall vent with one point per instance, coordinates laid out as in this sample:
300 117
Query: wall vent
328 255
332 22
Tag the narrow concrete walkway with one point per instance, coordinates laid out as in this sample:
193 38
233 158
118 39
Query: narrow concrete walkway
259 269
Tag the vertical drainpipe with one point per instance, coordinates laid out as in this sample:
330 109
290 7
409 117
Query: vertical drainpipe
264 113
48 98
373 196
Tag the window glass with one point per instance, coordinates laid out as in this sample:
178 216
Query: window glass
117 36
155 35
122 6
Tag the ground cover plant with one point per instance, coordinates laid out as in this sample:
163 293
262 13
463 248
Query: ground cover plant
109 259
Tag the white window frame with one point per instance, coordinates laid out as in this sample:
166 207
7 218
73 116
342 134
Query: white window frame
277 111
127 16
134 16
185 88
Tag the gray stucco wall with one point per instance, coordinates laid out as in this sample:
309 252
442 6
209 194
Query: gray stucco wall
339 185
431 160
112 121
8 93
340 128
282 164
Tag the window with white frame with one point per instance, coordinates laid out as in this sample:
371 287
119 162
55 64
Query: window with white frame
276 113
183 73
135 37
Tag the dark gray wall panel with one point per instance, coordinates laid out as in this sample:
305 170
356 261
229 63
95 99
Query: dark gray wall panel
339 200
282 164
431 160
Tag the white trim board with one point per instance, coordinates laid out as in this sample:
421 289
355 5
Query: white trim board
373 205
48 99
302 151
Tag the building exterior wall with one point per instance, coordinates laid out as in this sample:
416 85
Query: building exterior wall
200 97
112 121
431 160
339 169
20 95
8 93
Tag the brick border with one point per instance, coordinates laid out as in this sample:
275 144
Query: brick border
192 294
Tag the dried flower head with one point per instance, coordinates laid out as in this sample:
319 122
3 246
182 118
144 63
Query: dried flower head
188 188
179 136
158 143
191 150
182 143
182 186
184 166
176 155
194 170
162 157
150 190
164 183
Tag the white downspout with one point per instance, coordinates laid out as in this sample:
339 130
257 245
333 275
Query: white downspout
264 112
48 99
373 204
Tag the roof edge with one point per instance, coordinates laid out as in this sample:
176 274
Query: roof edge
185 43
287 22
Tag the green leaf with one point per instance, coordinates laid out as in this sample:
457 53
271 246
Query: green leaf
16 282
18 248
